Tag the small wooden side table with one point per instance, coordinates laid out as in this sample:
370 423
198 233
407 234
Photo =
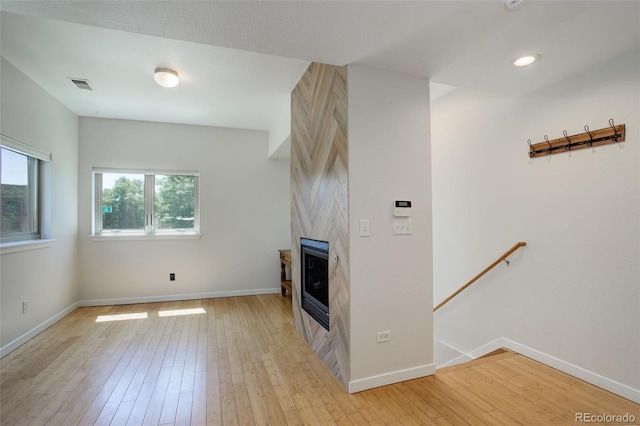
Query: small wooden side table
285 260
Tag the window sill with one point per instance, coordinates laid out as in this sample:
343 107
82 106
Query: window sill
146 237
17 246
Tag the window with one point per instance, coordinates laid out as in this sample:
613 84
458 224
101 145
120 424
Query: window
21 191
130 202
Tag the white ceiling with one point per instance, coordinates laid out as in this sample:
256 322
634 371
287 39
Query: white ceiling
239 60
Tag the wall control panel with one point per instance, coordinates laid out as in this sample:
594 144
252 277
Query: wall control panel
402 223
402 209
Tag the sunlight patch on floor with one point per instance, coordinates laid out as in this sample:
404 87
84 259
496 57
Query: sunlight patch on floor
121 317
178 312
144 315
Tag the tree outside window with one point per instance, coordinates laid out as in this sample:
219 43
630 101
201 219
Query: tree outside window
123 204
174 202
145 202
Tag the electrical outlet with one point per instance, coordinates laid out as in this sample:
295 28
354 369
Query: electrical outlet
25 306
402 227
383 336
172 276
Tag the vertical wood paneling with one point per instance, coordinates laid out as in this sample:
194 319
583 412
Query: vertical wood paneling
319 204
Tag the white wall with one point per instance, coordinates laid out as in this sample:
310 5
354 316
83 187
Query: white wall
244 199
280 131
391 275
46 277
573 293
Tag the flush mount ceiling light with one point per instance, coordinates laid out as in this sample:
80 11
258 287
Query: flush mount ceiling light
525 60
166 77
514 4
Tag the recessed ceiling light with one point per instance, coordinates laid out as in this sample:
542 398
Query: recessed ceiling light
525 60
166 77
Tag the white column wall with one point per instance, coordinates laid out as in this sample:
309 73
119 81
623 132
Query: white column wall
391 275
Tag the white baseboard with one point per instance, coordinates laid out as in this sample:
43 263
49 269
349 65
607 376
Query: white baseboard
36 330
575 371
177 297
595 379
392 377
454 355
490 347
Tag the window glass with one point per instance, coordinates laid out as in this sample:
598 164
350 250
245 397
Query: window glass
144 202
19 179
122 201
174 202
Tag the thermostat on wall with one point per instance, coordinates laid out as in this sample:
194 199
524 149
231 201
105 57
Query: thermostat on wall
402 209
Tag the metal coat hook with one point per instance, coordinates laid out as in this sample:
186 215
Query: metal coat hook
566 136
586 129
546 138
531 153
615 133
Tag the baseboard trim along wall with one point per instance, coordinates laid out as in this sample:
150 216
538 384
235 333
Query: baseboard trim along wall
455 355
575 371
566 367
36 330
392 377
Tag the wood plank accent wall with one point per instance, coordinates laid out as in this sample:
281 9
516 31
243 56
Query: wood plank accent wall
319 204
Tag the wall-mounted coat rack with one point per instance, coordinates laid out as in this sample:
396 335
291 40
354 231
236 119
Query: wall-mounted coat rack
590 138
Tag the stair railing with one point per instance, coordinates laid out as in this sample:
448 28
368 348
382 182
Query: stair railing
487 269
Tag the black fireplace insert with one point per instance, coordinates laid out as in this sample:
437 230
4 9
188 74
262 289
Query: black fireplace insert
315 279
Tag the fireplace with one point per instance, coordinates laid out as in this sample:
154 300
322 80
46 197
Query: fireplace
315 279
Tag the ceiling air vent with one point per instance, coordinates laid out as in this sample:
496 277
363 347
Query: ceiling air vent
81 83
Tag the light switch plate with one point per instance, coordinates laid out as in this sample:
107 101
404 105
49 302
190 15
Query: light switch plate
364 228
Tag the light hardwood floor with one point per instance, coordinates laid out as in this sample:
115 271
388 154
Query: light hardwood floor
242 362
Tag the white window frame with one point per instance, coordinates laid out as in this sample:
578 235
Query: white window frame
98 234
39 182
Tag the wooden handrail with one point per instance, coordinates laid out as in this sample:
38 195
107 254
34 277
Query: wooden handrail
487 269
